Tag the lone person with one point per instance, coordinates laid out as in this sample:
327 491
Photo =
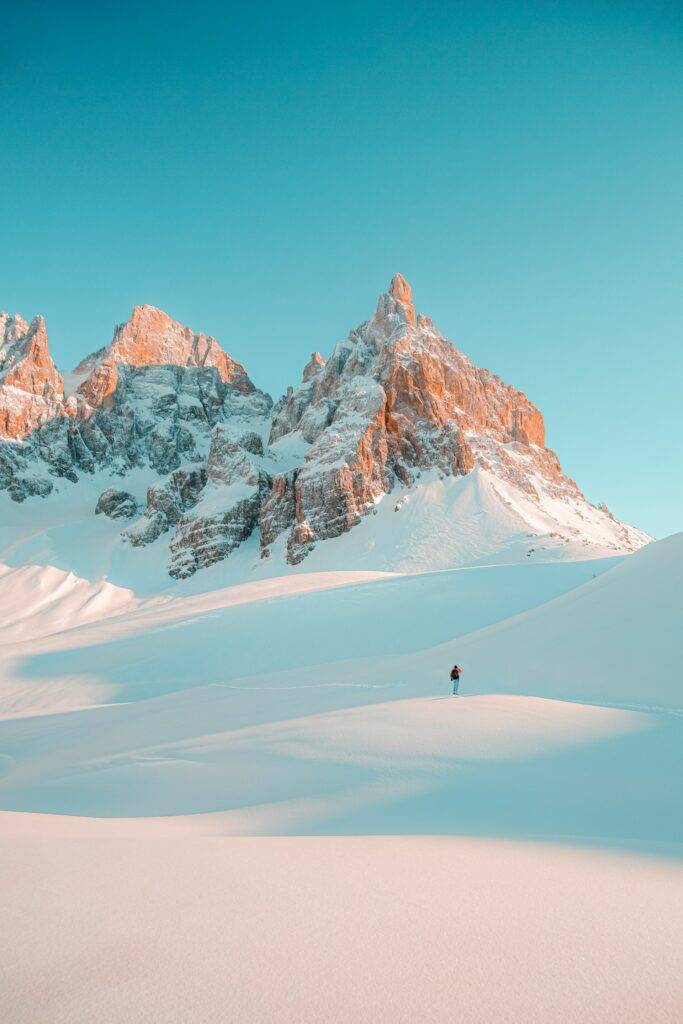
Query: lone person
455 679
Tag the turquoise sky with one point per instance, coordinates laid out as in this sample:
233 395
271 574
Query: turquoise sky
260 172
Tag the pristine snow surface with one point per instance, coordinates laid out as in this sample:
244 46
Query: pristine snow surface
337 931
259 803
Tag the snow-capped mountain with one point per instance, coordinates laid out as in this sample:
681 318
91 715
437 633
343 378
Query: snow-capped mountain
197 461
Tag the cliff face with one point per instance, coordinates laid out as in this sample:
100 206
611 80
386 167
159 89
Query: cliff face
394 401
31 389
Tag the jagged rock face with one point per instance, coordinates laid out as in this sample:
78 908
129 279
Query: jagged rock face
31 389
201 541
151 398
393 399
278 510
315 363
228 511
152 338
166 505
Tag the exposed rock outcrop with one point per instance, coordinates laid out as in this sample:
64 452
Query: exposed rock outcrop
229 508
116 504
202 540
166 505
313 366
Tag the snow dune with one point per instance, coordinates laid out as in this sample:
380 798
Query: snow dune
496 765
37 600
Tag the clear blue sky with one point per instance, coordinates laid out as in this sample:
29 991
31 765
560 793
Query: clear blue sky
260 172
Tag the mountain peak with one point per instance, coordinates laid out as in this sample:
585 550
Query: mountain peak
146 314
313 365
395 406
12 327
23 351
401 290
31 389
397 302
153 338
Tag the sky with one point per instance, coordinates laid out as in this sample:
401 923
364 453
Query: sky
260 171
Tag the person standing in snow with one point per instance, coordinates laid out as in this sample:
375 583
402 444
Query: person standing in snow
455 679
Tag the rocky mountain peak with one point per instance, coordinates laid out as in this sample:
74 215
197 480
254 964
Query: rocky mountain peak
12 327
401 291
315 363
152 338
396 407
31 389
395 313
394 402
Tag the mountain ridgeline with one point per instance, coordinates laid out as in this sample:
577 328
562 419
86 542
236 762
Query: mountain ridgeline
395 408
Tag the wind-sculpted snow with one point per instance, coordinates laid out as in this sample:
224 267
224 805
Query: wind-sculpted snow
331 930
394 408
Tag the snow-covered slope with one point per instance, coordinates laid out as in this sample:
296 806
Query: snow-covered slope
276 706
615 639
438 523
304 616
478 519
37 600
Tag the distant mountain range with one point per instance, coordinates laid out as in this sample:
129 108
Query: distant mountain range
396 440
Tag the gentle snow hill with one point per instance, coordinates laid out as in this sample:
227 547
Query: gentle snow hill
317 712
612 640
233 761
315 621
616 639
